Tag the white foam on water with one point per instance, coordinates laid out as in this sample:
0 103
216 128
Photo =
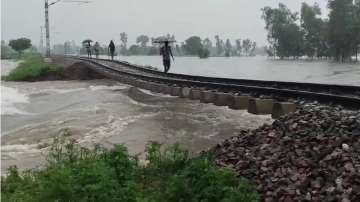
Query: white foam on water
155 94
114 126
101 87
9 98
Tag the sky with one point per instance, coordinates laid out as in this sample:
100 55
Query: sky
103 20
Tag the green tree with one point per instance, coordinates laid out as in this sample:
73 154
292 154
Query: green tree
134 50
228 48
143 40
123 46
207 43
193 45
284 35
341 28
356 28
246 46
311 24
21 44
238 47
219 45
253 49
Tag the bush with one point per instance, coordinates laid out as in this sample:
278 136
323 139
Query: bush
203 53
74 173
32 68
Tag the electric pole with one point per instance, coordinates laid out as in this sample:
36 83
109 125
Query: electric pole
41 46
47 25
47 28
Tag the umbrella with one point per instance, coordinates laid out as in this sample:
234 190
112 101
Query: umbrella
87 41
163 40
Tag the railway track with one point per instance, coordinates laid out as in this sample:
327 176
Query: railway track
344 95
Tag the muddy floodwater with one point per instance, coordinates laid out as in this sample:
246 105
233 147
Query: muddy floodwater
107 112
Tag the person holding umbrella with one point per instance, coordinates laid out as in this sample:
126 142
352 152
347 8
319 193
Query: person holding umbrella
87 44
112 49
165 52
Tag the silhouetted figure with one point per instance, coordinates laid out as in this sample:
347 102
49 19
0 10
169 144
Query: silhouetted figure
97 50
166 52
88 49
112 49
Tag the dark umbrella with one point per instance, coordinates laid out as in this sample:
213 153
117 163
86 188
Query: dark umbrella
163 40
87 41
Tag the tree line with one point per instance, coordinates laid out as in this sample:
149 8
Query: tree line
291 35
192 46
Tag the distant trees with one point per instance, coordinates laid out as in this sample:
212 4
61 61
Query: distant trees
284 35
310 35
193 45
312 26
21 44
123 46
143 40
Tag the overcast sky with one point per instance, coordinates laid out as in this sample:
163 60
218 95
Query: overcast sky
102 20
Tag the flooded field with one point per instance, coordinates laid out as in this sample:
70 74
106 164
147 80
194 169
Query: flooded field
261 68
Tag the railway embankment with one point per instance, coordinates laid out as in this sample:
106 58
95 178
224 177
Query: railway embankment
312 154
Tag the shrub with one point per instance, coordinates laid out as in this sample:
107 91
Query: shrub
32 68
74 173
203 53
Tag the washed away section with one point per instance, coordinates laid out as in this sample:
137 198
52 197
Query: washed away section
310 155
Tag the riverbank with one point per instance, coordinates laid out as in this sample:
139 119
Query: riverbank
75 173
34 68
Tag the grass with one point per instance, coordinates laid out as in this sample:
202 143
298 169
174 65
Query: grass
77 174
32 68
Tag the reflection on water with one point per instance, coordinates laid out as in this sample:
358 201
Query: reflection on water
260 68
108 112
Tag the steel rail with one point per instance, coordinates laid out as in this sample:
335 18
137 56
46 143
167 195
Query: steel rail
352 102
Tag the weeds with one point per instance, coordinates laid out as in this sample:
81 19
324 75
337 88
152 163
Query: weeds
32 68
79 174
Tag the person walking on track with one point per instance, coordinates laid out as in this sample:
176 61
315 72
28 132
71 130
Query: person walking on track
166 52
112 49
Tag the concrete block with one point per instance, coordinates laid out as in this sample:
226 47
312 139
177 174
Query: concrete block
142 84
185 92
175 91
159 88
195 94
223 99
166 90
207 97
147 85
154 87
239 102
260 106
282 108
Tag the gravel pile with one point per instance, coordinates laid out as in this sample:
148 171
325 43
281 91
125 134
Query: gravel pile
310 155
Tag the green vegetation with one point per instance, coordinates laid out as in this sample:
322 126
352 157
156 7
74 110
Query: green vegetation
337 37
32 68
74 173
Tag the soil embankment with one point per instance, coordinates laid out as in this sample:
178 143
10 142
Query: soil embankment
73 70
